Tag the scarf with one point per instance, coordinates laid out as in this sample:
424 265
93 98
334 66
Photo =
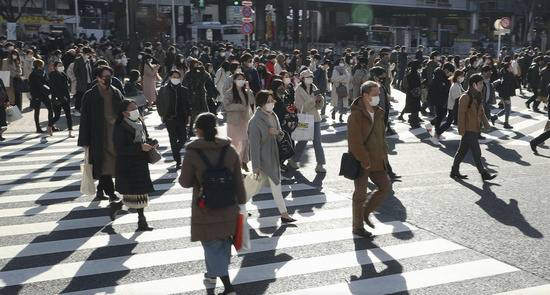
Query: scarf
140 136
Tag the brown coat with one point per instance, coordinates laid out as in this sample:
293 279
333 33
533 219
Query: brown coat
366 138
211 224
470 118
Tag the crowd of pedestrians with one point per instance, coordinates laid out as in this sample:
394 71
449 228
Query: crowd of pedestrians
262 95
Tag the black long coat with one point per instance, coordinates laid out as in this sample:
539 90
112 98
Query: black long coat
412 99
132 175
92 120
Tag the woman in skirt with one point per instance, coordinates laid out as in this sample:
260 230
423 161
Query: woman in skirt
132 177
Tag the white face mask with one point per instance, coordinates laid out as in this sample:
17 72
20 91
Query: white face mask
286 81
60 69
240 83
175 81
341 64
134 115
269 106
375 100
308 81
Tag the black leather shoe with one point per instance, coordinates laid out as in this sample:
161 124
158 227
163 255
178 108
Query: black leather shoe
457 175
99 196
288 220
113 209
486 176
362 233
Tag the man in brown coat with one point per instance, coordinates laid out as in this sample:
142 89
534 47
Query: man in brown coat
366 141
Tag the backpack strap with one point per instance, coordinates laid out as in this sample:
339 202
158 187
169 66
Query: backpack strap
222 156
204 158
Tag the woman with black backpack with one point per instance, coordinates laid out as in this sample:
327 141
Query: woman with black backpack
213 212
264 134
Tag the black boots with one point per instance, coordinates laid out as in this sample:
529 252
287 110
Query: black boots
456 175
486 176
114 207
142 222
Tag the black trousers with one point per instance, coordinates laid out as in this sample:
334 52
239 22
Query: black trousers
17 85
66 106
36 106
440 113
106 185
469 142
78 100
178 135
541 138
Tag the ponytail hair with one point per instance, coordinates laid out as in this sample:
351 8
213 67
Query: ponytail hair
207 123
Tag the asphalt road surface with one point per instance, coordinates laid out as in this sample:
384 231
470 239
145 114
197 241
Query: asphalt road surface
433 235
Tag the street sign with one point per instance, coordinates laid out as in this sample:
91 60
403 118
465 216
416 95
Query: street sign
506 22
209 35
247 28
247 11
247 3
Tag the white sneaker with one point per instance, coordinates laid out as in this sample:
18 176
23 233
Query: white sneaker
320 169
292 164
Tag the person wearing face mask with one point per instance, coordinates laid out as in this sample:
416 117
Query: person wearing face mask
308 100
367 143
39 90
59 84
26 64
488 93
507 90
195 80
320 79
220 77
150 75
98 117
471 116
413 94
174 108
360 74
252 75
264 132
238 103
133 179
438 92
455 92
82 70
340 78
13 64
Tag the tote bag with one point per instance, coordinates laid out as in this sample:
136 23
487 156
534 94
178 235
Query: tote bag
253 185
304 130
13 114
87 186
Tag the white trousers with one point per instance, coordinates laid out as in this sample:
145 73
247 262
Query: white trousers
277 192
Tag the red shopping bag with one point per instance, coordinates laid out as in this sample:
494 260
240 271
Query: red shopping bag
241 240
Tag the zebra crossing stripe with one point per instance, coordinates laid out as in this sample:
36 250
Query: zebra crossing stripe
414 279
164 234
539 290
276 270
50 226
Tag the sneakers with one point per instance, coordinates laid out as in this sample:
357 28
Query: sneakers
292 164
320 169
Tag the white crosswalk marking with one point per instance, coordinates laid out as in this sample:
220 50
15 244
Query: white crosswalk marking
55 240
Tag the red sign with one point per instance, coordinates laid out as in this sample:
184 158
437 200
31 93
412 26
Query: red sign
247 28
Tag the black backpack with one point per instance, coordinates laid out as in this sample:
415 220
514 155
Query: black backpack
217 183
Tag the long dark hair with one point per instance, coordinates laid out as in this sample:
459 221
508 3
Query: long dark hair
235 90
473 93
207 123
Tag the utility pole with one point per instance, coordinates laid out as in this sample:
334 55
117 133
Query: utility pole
173 22
133 44
77 18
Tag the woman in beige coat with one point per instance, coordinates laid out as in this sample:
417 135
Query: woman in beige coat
340 77
238 103
214 228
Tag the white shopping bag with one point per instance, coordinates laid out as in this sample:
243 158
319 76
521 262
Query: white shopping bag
253 184
304 130
13 114
87 186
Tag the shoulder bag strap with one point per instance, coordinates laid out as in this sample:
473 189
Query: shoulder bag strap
203 158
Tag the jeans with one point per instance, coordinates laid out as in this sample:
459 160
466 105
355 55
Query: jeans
217 255
468 142
360 207
319 152
506 110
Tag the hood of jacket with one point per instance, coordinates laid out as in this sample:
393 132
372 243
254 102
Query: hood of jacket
201 143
